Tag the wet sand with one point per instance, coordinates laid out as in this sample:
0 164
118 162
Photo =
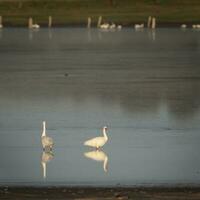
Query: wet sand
51 193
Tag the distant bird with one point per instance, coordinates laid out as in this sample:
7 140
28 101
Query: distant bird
47 142
194 26
112 26
139 26
98 142
104 26
1 26
119 27
98 156
183 26
36 26
66 74
46 157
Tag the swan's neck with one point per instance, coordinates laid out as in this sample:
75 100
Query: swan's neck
105 164
104 134
44 169
44 129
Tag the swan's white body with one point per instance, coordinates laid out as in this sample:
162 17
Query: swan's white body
119 27
98 156
46 157
36 26
139 26
112 26
97 142
183 26
196 26
104 26
47 142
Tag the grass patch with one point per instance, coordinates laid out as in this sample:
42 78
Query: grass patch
17 12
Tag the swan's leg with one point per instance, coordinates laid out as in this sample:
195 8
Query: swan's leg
97 148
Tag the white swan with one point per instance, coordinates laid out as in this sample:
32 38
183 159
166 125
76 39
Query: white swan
194 26
139 26
119 27
98 156
47 142
104 26
112 26
36 26
183 26
98 142
46 157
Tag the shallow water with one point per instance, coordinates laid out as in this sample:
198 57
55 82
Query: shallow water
145 86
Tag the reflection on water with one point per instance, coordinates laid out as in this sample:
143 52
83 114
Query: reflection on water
146 92
98 156
46 157
32 33
152 34
50 34
1 34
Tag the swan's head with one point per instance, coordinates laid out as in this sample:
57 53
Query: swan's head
105 128
44 123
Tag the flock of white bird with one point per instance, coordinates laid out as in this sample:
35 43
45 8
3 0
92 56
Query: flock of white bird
111 26
194 26
96 142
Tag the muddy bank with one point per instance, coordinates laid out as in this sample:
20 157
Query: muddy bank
52 193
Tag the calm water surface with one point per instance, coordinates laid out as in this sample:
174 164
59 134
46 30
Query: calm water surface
145 86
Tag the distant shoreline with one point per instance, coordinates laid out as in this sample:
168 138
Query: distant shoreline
137 193
83 25
15 13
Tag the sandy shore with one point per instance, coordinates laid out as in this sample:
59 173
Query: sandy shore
56 193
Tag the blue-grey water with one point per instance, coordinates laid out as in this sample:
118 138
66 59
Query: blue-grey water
144 85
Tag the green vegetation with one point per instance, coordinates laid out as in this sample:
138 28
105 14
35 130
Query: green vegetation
17 12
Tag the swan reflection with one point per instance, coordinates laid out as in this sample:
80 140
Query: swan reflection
99 156
152 35
46 157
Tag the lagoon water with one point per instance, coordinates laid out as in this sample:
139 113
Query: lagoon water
145 86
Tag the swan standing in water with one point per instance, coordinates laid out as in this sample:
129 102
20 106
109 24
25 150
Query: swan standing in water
98 142
98 156
46 157
35 26
47 142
